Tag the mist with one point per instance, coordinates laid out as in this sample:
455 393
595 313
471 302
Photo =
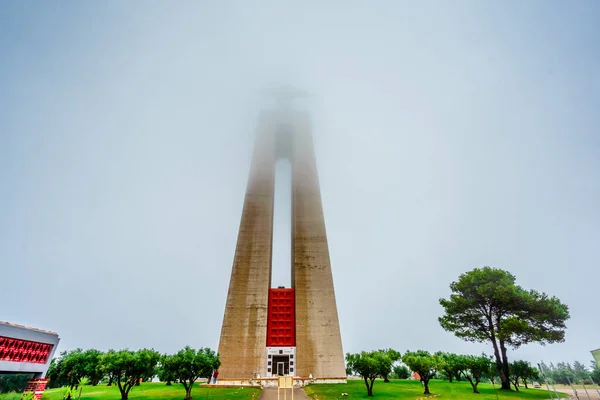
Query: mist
448 136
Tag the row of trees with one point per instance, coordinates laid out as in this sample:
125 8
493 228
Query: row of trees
485 305
474 369
13 382
565 373
127 368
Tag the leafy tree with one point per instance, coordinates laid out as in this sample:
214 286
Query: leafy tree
533 374
188 364
401 372
474 369
562 373
127 367
386 367
164 371
91 368
487 305
68 370
492 376
55 374
369 366
581 372
595 372
519 370
450 365
424 364
14 382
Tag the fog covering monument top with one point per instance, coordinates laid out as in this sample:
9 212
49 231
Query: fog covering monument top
293 331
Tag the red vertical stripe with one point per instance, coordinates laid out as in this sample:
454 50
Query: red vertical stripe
281 320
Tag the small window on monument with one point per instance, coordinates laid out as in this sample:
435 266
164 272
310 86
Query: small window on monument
291 363
291 356
269 363
270 356
280 351
268 369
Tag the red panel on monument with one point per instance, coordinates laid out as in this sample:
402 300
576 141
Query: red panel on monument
281 321
25 351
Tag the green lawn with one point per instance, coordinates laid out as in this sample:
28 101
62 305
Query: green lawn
405 389
152 391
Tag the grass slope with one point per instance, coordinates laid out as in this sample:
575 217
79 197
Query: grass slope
405 389
151 391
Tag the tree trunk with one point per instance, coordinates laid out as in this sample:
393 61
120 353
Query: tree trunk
188 393
503 378
426 385
385 378
450 378
369 393
516 384
473 385
505 369
525 383
124 388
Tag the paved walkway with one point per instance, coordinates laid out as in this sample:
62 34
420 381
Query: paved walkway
271 394
580 392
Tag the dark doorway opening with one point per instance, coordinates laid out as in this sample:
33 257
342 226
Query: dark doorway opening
281 365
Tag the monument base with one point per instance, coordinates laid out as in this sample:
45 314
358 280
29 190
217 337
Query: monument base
272 382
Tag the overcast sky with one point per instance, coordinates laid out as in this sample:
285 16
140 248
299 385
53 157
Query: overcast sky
449 136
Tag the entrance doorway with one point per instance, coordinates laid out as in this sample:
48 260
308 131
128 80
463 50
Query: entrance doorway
281 364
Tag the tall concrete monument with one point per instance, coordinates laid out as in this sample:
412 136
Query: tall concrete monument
282 331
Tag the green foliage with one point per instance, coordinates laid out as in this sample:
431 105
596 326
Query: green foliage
475 368
401 372
188 364
68 370
563 372
14 382
54 374
91 368
450 365
127 367
580 371
424 364
72 366
386 368
522 370
487 305
29 396
164 371
370 365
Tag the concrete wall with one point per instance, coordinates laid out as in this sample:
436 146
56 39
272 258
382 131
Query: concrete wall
244 330
318 339
18 332
243 335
